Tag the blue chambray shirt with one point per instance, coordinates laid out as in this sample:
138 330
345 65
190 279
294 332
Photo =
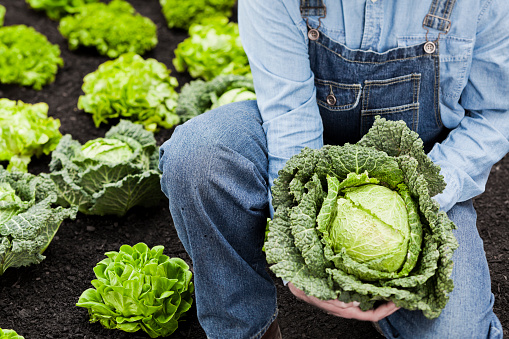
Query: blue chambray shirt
474 77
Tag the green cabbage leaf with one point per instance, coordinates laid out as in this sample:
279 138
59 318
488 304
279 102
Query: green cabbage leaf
108 175
198 96
358 223
212 48
181 14
9 334
27 58
29 218
25 131
138 288
2 15
56 9
133 88
113 29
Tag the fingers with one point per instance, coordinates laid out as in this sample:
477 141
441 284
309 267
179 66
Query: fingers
346 310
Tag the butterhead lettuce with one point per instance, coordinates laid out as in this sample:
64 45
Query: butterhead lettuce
358 223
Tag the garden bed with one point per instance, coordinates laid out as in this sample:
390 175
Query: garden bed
39 301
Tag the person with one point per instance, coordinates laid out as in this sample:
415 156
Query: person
322 71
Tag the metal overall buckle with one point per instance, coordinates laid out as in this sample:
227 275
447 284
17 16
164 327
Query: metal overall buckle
431 46
313 33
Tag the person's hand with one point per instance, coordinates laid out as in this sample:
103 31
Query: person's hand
344 310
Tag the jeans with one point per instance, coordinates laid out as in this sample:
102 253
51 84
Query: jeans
215 177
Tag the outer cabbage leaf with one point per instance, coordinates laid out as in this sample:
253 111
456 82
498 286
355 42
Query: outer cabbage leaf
198 96
304 198
56 9
25 131
111 186
181 14
27 58
113 29
212 48
133 88
28 220
138 288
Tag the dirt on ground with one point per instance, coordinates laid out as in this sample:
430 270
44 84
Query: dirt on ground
39 301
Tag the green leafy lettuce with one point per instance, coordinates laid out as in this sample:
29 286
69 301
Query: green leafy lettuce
56 9
2 15
25 131
198 96
108 175
132 88
28 218
113 29
27 58
9 334
181 14
212 48
357 222
138 288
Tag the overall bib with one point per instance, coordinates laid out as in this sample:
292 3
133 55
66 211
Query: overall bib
215 175
354 86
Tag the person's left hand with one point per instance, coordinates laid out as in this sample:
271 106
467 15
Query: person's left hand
346 310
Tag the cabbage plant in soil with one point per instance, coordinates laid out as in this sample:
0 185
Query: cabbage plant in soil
108 175
357 222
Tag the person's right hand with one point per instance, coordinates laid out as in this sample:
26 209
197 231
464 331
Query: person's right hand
346 310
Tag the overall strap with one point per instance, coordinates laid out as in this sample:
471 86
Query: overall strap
312 8
438 15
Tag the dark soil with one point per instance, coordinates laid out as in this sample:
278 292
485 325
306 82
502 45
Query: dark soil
39 301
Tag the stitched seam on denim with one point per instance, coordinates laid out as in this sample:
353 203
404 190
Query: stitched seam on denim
436 92
417 89
341 107
484 9
387 82
390 110
368 62
337 84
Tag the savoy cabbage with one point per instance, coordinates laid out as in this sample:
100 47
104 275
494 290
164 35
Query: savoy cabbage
357 222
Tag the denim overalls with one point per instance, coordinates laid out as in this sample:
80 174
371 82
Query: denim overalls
354 86
215 175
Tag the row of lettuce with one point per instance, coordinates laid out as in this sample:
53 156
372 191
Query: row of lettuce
136 288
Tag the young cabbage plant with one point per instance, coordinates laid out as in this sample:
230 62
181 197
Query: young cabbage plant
181 14
138 288
108 175
56 9
199 96
29 218
358 223
9 334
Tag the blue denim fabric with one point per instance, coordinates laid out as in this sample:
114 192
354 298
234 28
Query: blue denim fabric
474 73
215 177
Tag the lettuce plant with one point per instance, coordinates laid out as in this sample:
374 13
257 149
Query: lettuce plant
108 175
25 131
28 218
212 48
181 14
138 288
113 29
2 15
56 9
133 88
9 334
358 223
27 58
199 96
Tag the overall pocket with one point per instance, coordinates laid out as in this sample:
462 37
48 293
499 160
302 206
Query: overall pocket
394 99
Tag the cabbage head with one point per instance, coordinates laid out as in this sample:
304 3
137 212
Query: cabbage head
357 222
138 288
108 175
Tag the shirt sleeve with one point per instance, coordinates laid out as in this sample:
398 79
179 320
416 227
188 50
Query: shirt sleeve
481 138
275 42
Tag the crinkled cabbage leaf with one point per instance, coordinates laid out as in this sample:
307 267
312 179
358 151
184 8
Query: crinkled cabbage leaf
56 9
181 14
